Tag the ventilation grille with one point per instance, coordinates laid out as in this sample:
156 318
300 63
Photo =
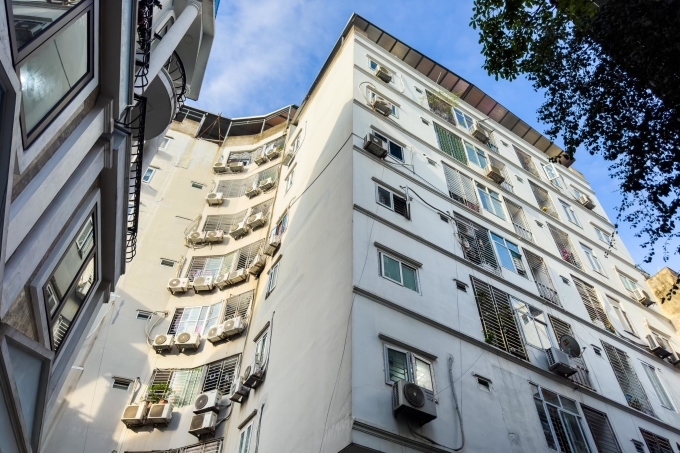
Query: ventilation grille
504 171
197 421
157 410
131 412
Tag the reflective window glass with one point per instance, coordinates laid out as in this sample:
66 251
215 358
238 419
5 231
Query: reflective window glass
33 17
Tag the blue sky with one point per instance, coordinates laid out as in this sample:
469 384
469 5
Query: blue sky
267 53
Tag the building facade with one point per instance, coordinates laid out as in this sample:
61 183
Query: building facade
86 87
389 267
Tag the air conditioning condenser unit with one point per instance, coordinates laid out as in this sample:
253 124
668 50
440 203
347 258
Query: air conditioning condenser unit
214 236
203 283
238 230
375 145
203 424
214 198
253 375
479 133
558 362
134 415
641 296
233 326
256 220
188 340
219 167
178 285
495 174
414 402
236 167
163 342
208 401
586 201
160 413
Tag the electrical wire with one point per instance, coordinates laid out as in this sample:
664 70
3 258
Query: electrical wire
148 333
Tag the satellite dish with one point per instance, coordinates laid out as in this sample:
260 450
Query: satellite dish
570 346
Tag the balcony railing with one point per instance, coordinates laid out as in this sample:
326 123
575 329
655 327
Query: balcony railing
548 293
175 68
144 38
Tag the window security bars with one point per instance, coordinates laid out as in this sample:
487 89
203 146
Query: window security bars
656 443
247 254
440 107
211 446
238 305
601 430
544 283
560 421
476 244
504 171
545 204
664 397
245 156
263 207
564 246
392 201
461 188
581 377
498 321
195 319
628 380
593 304
223 222
220 375
527 162
212 266
234 188
519 221
180 385
450 144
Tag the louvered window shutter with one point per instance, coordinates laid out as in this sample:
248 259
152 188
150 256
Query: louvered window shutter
450 143
628 379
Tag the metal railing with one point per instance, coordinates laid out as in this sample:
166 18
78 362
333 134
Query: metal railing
144 38
175 69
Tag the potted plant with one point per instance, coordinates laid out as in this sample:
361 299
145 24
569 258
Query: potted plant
158 393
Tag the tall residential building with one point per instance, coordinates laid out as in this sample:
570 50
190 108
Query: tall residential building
87 87
389 267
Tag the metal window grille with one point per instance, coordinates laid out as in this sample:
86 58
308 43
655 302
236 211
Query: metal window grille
220 375
440 107
60 330
628 379
247 254
400 205
238 305
519 221
582 376
566 249
602 432
264 208
558 426
593 304
450 144
544 283
201 266
476 244
504 170
211 446
461 188
527 163
244 156
543 199
183 384
234 188
498 320
658 386
223 222
176 318
656 443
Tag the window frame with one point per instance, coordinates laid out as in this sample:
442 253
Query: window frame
262 348
556 180
505 243
411 357
22 55
624 278
602 236
662 386
289 180
165 141
205 322
466 117
402 263
389 142
273 278
492 196
534 320
622 316
248 428
147 179
473 153
593 259
372 94
392 195
570 213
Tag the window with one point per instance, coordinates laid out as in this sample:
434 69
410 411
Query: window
560 329
440 107
601 430
195 319
654 377
656 443
209 266
121 383
289 180
464 120
628 379
244 439
476 155
577 193
560 421
371 98
220 375
628 283
499 325
281 226
262 348
483 384
622 316
592 259
148 174
167 262
519 221
395 270
238 305
179 386
476 244
54 67
544 283
602 236
566 250
144 315
431 162
395 150
509 255
527 162
571 215
197 185
461 188
533 324
406 366
450 144
235 188
553 176
593 305
226 221
491 201
392 201
543 200
273 276
71 282
164 143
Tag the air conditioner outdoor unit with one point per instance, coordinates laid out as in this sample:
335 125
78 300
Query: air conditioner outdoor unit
214 198
188 340
203 283
674 359
657 348
241 392
586 201
163 342
495 174
214 236
414 402
208 401
253 191
236 167
255 220
178 285
272 245
266 184
381 105
479 133
237 276
134 415
160 413
203 424
260 157
219 167
641 296
222 281
216 333
274 152
253 375
383 74
196 237
238 230
558 362
566 160
375 146
233 326
257 264
288 157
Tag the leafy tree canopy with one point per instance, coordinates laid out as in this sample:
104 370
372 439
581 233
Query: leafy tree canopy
609 70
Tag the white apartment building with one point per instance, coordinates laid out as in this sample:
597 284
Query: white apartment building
87 90
386 267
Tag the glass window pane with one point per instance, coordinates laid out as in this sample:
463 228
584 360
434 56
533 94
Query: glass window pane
50 72
32 18
398 365
486 202
575 433
543 417
472 155
551 397
384 197
396 151
71 306
410 279
504 256
423 375
391 268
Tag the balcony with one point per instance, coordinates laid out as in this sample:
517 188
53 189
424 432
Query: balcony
165 95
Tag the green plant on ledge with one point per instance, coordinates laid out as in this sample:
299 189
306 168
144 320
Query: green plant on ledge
158 392
490 337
